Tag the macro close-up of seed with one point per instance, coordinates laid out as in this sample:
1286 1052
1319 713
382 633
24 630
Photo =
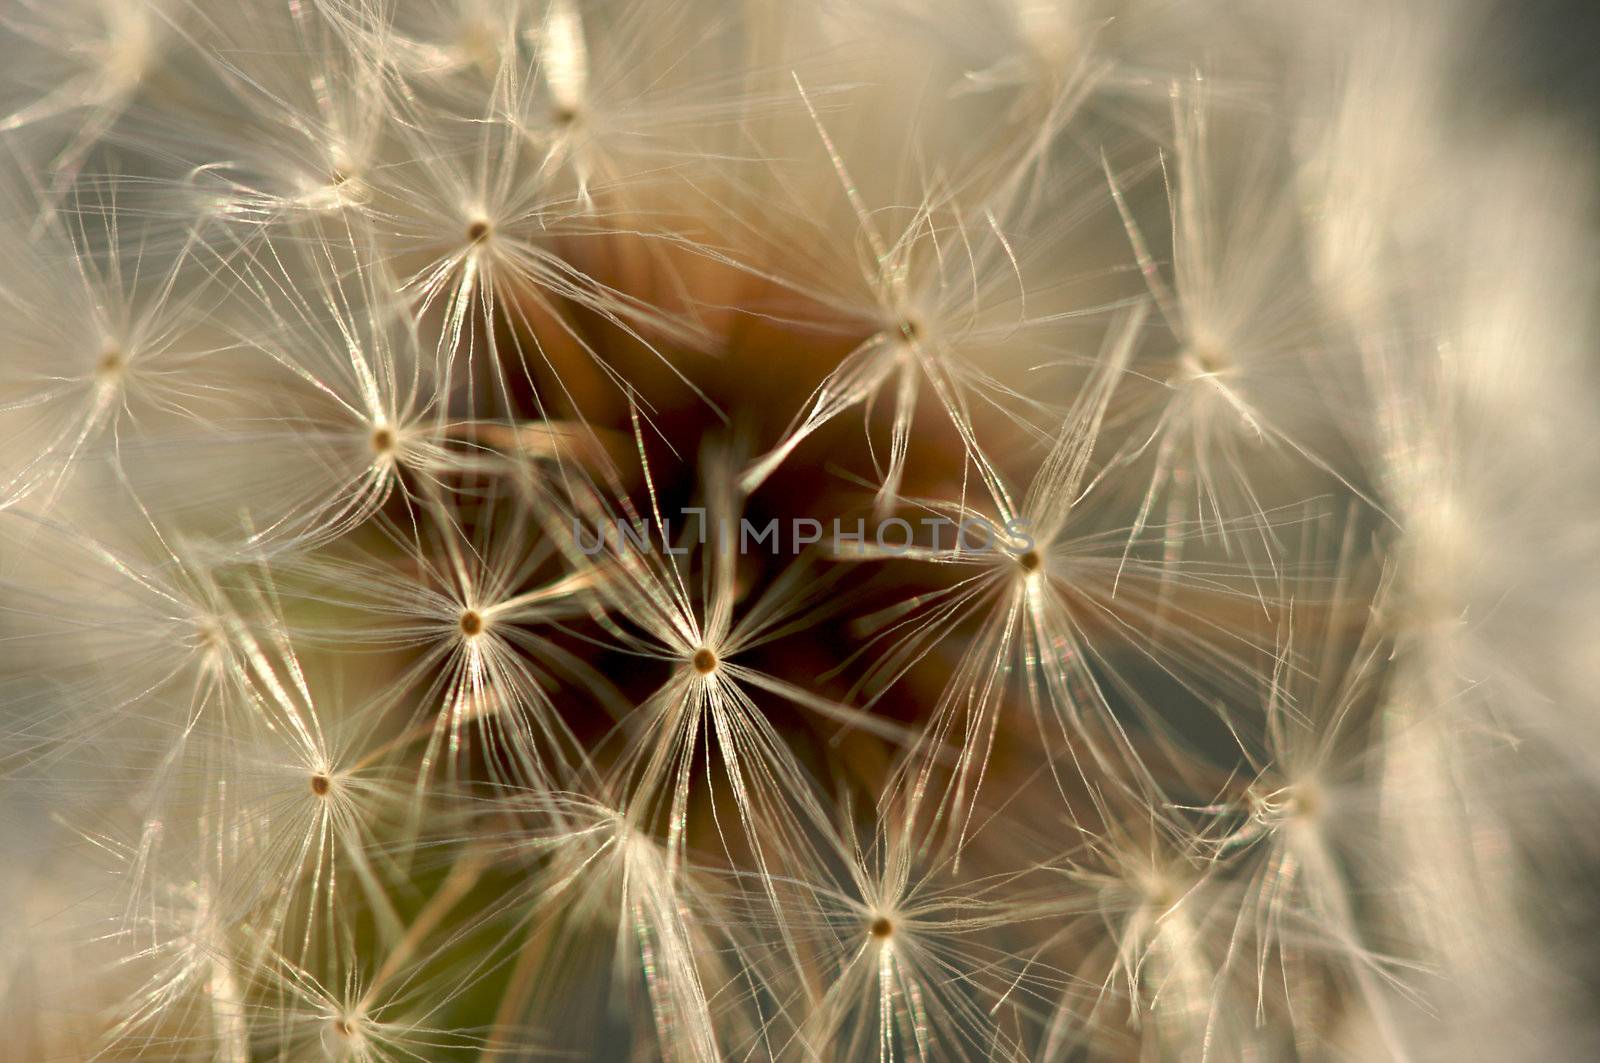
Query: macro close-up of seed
803 531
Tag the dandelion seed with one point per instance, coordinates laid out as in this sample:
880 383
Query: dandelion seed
933 297
1256 345
1235 379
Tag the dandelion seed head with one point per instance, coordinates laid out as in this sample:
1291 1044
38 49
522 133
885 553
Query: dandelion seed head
339 331
1299 803
1206 359
1306 802
111 371
344 187
384 441
345 1037
111 363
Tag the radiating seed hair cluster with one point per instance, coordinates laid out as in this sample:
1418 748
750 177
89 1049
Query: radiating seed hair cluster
794 530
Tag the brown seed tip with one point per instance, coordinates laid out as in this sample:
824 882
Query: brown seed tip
705 662
383 440
881 927
319 785
110 362
478 231
471 623
1030 561
1210 359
